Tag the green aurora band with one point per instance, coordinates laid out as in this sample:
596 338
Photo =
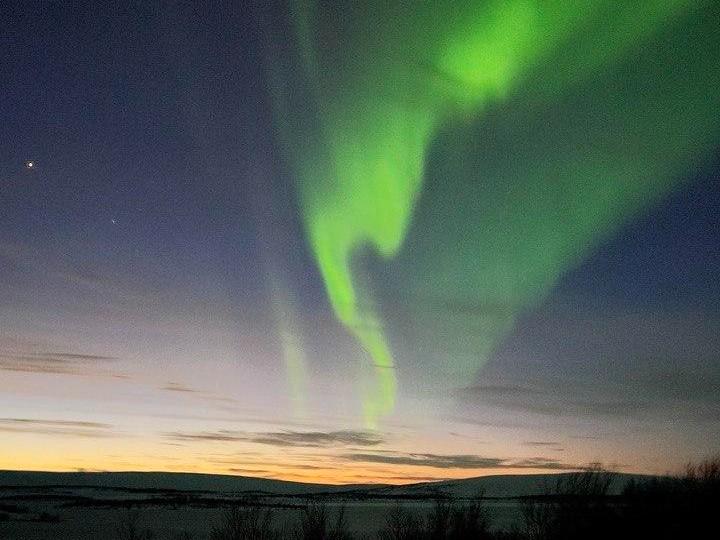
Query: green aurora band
481 149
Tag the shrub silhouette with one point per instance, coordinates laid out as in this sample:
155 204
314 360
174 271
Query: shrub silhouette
580 506
577 507
245 523
681 507
401 524
315 524
469 520
447 520
128 527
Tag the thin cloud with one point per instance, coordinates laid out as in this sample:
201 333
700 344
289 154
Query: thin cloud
540 443
63 423
499 390
55 362
53 357
411 478
633 366
69 428
319 438
429 460
285 438
74 356
31 368
216 436
542 463
547 402
176 387
552 445
458 461
249 471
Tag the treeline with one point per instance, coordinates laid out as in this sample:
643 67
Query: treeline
660 508
578 506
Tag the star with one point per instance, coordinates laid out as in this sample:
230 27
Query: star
29 164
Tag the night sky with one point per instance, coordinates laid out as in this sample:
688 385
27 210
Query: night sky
337 242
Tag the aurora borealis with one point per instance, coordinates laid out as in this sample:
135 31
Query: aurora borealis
379 83
359 241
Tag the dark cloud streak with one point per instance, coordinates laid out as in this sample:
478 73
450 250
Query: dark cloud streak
285 438
458 461
176 387
68 428
53 362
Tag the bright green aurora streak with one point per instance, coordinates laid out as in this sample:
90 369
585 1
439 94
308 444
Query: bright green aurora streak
387 112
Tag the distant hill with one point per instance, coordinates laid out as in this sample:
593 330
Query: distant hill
164 481
489 486
516 485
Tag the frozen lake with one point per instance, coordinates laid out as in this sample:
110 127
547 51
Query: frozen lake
45 518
